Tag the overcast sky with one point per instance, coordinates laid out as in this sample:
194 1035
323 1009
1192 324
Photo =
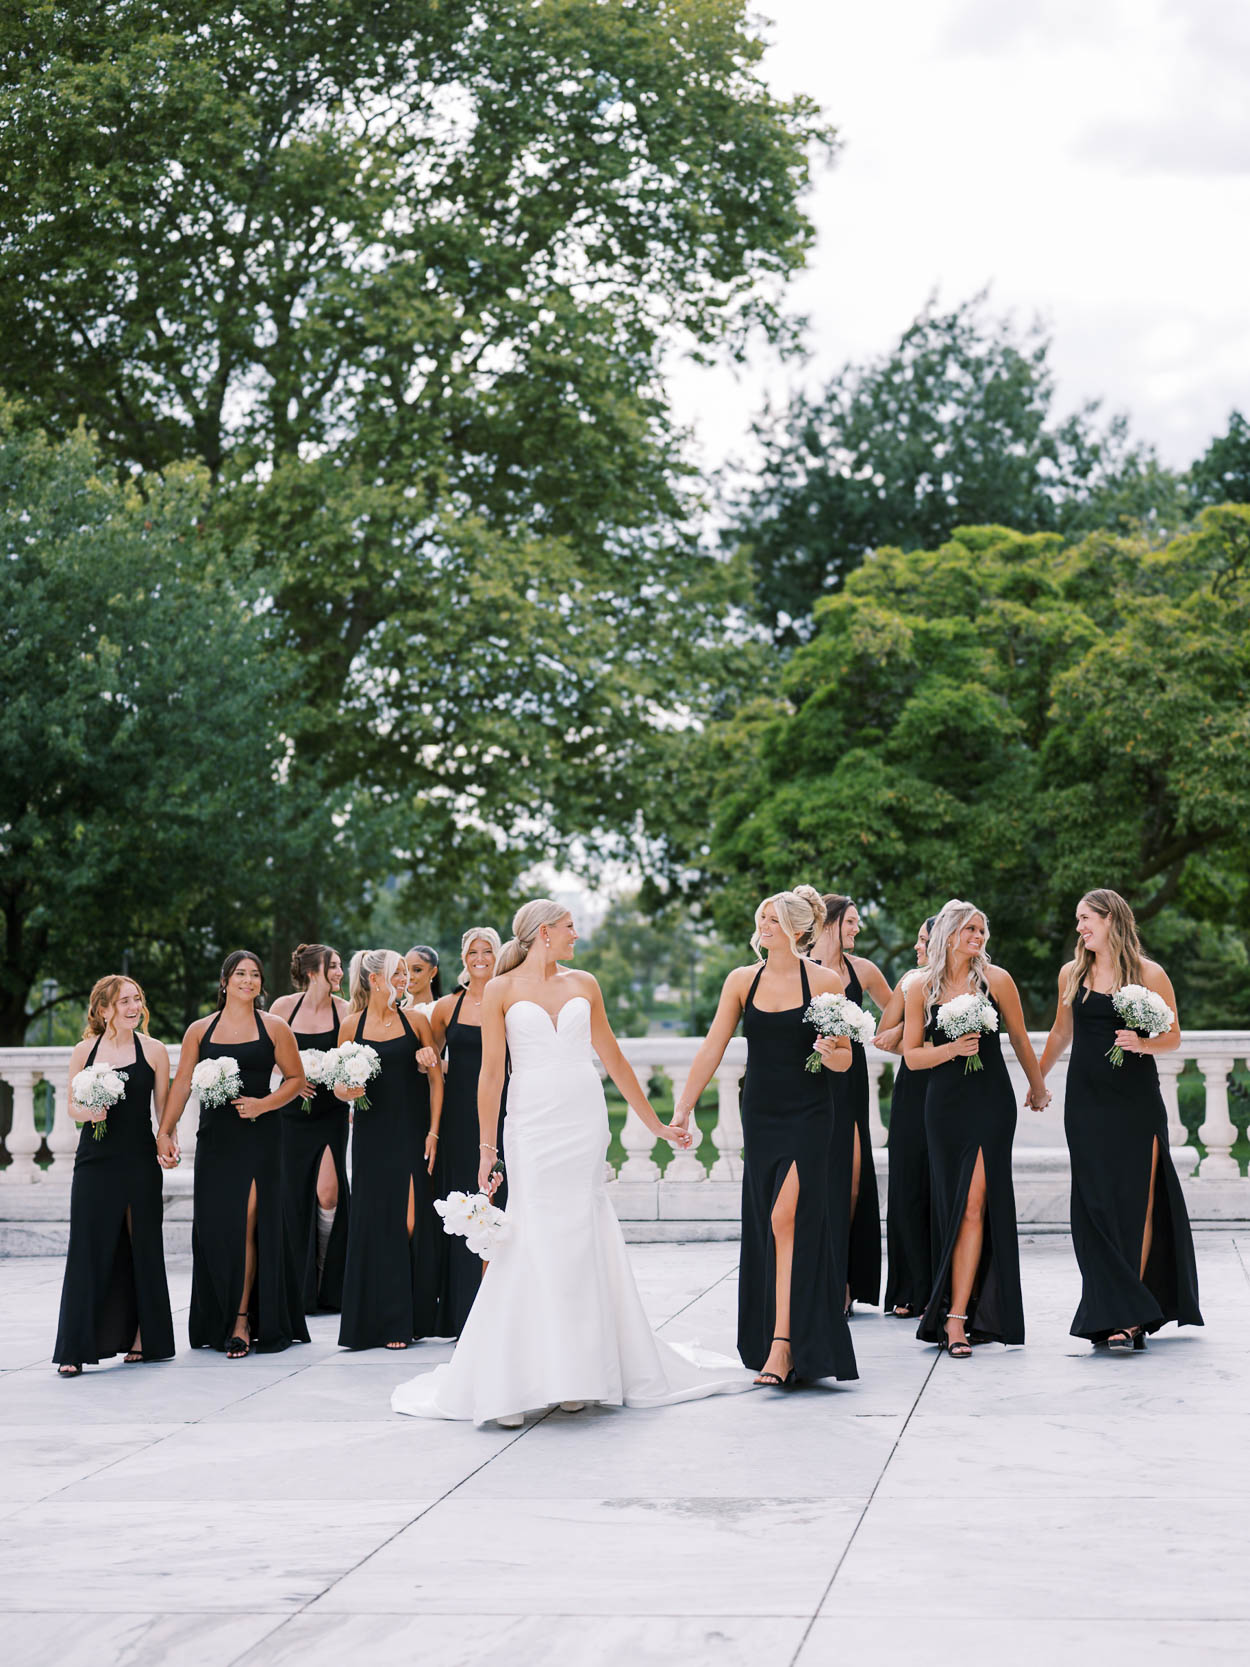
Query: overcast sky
1090 159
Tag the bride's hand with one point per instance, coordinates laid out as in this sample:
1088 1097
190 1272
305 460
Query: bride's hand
488 1178
676 1135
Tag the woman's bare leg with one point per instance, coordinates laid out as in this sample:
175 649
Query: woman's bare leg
781 1355
967 1255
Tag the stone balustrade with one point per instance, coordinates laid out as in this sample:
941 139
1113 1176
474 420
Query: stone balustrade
690 1189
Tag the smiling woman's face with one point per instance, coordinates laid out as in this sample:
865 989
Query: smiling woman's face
420 973
127 1010
479 958
245 981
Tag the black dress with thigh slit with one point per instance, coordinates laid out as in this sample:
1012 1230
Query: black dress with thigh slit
967 1112
458 1161
850 1104
391 1282
908 1230
1113 1116
305 1136
788 1122
115 1280
233 1154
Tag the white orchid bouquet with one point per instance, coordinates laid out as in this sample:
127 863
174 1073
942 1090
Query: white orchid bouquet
98 1088
217 1080
834 1015
351 1065
313 1064
1143 1011
973 1014
473 1217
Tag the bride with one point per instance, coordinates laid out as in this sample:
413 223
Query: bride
558 1318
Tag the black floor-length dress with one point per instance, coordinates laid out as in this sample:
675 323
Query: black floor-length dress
850 1102
305 1136
967 1112
391 1283
909 1275
788 1120
233 1154
1112 1117
115 1280
458 1160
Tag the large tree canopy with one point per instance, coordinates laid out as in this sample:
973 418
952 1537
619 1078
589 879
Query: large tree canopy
955 426
1006 719
404 277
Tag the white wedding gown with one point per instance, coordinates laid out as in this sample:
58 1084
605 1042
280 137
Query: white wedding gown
558 1316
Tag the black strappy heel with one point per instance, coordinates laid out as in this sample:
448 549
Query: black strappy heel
238 1348
774 1380
956 1350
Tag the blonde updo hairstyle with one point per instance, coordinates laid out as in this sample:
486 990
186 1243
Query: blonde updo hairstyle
800 914
104 993
365 962
950 921
489 934
527 923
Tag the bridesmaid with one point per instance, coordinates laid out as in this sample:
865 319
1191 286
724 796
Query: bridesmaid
910 1271
244 1285
425 981
855 976
394 1236
314 1142
457 1025
970 1122
115 1296
1130 1228
790 1315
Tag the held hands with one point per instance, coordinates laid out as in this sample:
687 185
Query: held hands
678 1135
167 1153
682 1113
1037 1099
431 1151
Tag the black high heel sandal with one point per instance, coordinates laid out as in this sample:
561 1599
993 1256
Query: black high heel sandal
1132 1340
956 1350
774 1380
238 1348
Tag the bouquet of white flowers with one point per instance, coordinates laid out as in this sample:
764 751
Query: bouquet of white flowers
833 1015
472 1216
98 1088
965 1016
216 1081
351 1065
313 1063
1143 1011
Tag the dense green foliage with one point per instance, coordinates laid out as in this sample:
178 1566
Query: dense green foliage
1014 720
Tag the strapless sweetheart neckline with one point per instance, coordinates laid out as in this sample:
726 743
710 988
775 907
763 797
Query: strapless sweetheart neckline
524 1001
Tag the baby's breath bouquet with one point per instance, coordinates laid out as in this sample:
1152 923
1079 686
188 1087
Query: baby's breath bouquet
217 1080
98 1088
313 1064
1143 1011
971 1014
834 1015
351 1065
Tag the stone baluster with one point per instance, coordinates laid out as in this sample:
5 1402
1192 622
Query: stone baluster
1184 1156
1217 1133
63 1137
639 1142
876 1128
23 1139
684 1168
188 1127
727 1133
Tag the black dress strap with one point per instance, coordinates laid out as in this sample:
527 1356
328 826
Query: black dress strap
412 1035
208 1034
807 989
299 1003
755 984
455 1012
360 1024
95 1049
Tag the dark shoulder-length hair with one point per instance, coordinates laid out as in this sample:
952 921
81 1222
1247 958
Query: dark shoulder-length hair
227 967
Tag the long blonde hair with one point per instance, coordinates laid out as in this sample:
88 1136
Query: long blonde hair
471 937
800 914
364 963
951 919
527 923
1123 945
104 993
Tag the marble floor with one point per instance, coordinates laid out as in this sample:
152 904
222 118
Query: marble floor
1029 1505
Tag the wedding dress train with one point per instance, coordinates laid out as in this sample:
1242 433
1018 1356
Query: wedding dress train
558 1316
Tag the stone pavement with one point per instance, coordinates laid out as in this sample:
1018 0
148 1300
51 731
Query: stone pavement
1030 1506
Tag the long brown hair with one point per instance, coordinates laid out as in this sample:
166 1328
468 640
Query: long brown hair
308 959
104 993
836 904
1123 945
948 923
227 967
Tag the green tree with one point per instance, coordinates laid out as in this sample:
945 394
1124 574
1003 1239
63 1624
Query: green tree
142 805
955 426
405 279
1010 720
1222 474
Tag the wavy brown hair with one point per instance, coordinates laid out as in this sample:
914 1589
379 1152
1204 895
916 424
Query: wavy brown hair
1124 945
104 993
